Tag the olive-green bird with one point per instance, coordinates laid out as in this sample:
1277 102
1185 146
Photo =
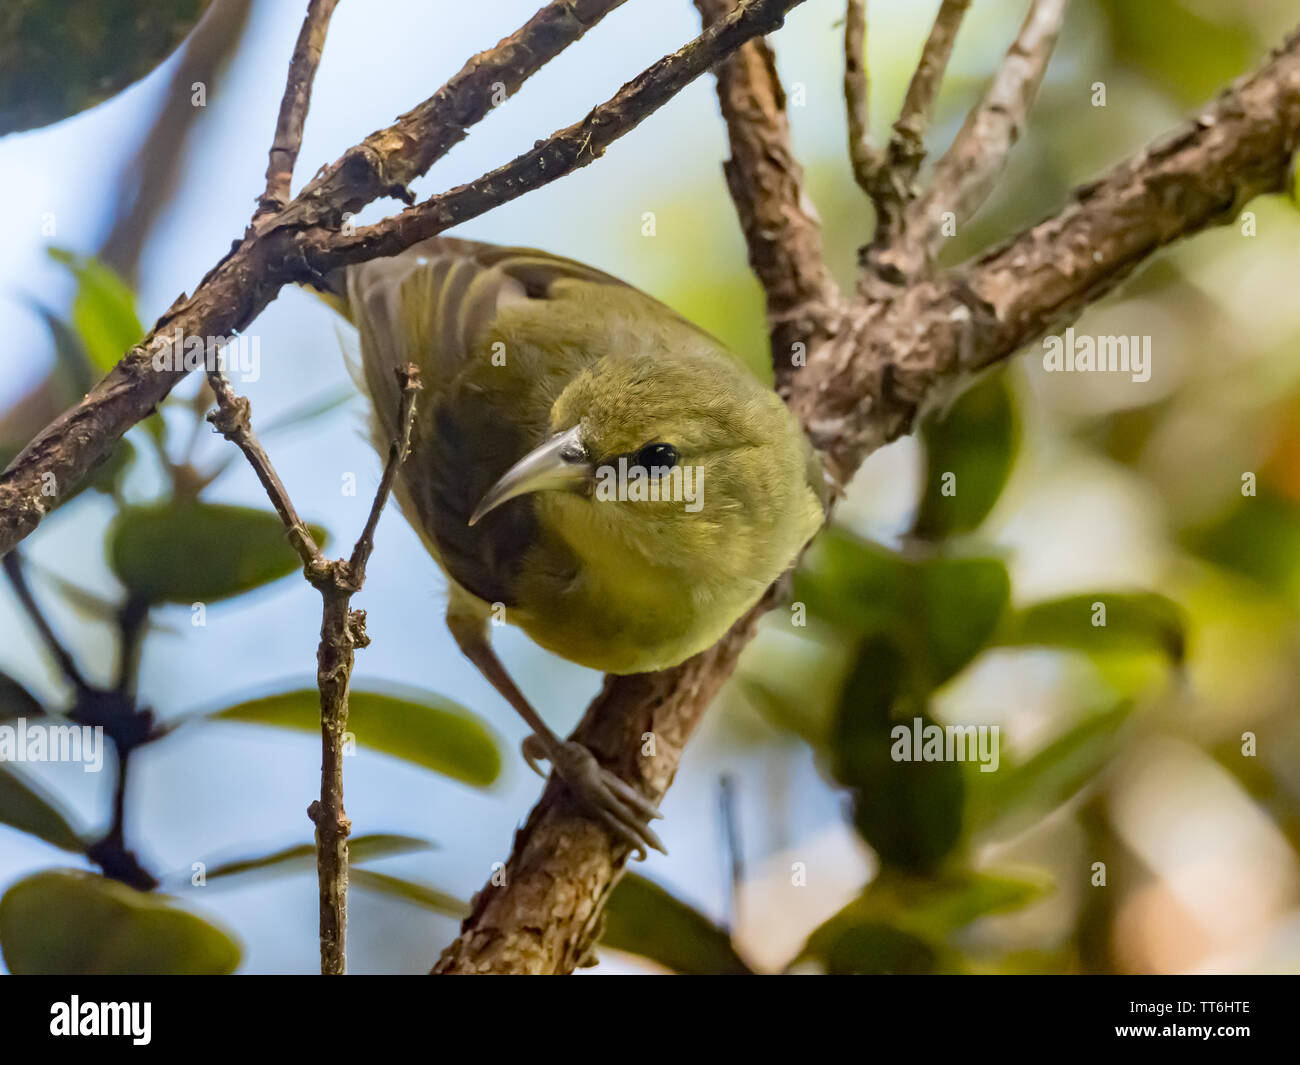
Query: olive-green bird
584 459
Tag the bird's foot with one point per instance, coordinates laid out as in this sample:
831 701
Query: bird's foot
611 801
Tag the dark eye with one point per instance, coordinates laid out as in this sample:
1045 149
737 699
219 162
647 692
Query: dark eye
656 455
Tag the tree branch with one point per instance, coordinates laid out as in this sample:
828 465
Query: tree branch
858 392
892 183
293 108
857 95
342 631
766 184
967 172
566 150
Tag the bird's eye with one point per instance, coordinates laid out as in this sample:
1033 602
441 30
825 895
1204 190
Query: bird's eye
656 456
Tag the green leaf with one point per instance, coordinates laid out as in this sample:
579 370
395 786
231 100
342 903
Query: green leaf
419 727
902 923
199 552
303 855
642 918
941 611
1134 622
17 701
974 441
420 894
1054 774
1258 539
103 311
69 922
909 812
1181 46
22 806
58 57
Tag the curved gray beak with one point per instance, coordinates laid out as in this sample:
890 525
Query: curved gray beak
561 463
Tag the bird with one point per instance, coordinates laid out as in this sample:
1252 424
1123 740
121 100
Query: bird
584 463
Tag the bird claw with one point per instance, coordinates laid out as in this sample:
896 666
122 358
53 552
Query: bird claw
613 802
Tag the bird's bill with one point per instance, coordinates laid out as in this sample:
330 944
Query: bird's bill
560 463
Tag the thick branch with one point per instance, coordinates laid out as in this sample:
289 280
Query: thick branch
861 391
293 108
291 247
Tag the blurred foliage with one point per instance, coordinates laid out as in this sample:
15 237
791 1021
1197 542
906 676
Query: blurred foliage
58 57
199 552
69 921
424 729
642 918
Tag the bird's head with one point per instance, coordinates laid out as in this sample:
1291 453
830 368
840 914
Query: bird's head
683 461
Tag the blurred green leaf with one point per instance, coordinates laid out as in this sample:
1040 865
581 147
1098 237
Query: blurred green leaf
1134 622
199 552
1182 46
869 948
17 701
419 727
642 918
910 812
408 890
941 611
1054 774
70 922
22 806
974 441
58 57
303 855
901 923
103 311
1259 538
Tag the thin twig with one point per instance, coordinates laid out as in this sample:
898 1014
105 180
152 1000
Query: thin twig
967 172
293 109
387 161
864 159
231 420
342 631
893 183
566 150
408 380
